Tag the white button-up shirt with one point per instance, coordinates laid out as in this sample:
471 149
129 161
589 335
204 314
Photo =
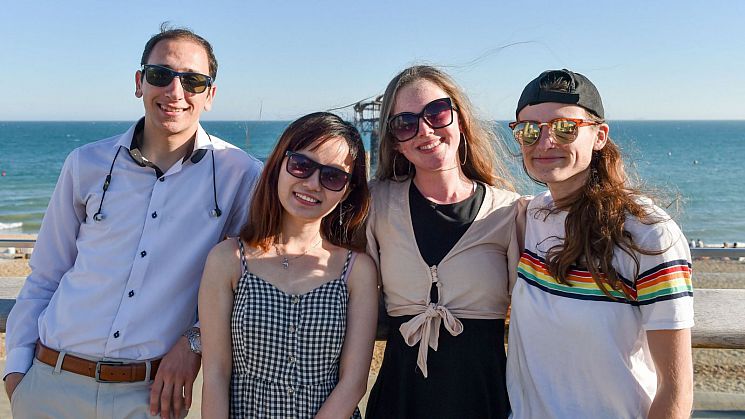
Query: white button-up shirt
126 287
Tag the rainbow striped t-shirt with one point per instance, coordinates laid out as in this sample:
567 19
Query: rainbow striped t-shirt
575 352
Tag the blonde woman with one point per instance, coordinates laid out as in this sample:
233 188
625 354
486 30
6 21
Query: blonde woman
442 233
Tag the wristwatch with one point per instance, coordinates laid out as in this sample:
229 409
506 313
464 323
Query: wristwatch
193 335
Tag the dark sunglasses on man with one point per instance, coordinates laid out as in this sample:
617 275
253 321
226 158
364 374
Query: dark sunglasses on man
302 167
437 114
162 76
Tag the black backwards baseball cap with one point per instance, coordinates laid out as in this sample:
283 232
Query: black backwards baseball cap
581 92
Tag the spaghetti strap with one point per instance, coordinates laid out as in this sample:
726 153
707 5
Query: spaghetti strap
244 264
351 256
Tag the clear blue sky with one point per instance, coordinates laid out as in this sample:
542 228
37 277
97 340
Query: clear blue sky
75 60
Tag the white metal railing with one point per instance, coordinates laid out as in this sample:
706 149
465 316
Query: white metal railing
719 312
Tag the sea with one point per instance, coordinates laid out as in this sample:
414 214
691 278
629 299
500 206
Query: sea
695 168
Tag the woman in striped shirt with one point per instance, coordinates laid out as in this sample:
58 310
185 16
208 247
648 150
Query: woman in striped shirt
602 308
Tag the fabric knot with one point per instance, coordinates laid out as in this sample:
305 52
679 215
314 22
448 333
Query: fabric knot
424 328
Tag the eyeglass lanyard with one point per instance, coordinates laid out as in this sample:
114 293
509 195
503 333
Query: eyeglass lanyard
215 212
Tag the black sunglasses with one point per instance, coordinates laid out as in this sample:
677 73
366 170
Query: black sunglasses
162 76
302 167
437 114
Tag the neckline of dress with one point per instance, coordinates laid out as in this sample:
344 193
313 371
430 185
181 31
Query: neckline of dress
435 206
290 295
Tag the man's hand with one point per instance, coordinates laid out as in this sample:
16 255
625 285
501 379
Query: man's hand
171 391
11 382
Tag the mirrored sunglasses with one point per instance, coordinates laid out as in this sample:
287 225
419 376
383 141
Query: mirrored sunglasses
563 130
302 167
162 76
437 114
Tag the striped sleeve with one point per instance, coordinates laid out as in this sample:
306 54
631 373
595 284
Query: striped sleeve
666 281
663 284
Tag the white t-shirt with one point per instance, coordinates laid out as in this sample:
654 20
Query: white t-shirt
575 353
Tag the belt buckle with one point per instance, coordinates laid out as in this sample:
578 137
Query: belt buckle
106 363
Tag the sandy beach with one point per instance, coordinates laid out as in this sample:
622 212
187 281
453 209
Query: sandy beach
14 267
716 370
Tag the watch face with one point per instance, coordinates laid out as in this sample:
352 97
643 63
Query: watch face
196 343
194 338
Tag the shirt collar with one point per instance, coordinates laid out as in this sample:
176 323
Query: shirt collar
131 141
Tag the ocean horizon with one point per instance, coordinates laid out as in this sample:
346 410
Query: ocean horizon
694 160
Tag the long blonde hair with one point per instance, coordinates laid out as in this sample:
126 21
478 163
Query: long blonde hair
481 163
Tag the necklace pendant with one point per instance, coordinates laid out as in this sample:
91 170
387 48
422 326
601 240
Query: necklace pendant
285 263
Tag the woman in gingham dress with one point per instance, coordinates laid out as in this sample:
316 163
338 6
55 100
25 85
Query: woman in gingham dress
288 310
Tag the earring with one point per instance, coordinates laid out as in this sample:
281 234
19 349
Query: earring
343 234
594 178
465 148
408 169
395 176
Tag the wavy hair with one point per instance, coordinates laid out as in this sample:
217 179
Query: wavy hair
481 163
266 211
596 218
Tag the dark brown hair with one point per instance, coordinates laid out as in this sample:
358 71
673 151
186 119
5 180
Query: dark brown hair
596 218
309 132
168 33
480 164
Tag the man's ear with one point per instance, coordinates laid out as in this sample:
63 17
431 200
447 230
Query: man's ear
138 84
211 92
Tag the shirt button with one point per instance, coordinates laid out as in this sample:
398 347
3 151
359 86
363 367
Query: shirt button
292 328
143 254
131 294
162 179
116 334
295 299
291 359
154 214
290 391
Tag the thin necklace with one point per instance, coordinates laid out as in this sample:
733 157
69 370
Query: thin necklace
286 261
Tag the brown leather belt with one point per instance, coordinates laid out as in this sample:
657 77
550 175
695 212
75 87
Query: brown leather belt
102 371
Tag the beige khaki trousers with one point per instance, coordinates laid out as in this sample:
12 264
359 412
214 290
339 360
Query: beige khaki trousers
46 392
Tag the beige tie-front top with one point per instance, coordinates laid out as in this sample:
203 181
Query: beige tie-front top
474 279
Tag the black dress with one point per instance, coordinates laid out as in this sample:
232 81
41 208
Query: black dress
466 375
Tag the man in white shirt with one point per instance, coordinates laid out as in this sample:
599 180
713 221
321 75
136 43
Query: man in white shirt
104 325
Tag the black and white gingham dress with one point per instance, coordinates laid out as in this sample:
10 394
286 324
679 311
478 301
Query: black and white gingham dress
286 348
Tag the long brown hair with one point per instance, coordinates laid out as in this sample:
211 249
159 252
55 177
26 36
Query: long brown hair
480 164
310 131
596 218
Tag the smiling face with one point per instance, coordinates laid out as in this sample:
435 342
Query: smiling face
563 167
170 111
306 199
431 150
